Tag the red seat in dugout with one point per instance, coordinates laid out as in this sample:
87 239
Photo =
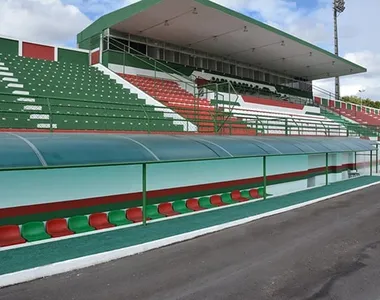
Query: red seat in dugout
99 221
58 228
193 204
166 209
10 235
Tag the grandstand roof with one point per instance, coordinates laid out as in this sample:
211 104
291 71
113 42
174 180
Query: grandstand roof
44 149
206 26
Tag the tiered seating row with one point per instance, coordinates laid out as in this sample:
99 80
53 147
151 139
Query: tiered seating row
274 122
358 116
36 231
24 112
80 98
194 109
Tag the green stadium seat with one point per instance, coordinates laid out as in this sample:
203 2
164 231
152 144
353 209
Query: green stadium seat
34 231
260 191
118 218
204 202
152 212
237 196
79 224
180 207
81 98
227 199
246 194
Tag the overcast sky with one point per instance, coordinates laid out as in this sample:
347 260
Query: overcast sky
58 22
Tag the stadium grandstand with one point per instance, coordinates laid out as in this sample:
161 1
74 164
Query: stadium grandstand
167 111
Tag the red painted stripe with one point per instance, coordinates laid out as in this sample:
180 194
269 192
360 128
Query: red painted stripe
95 57
271 102
75 204
37 51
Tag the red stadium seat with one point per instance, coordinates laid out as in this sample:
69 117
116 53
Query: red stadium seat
135 214
57 228
193 204
173 95
217 200
10 235
99 221
254 193
166 209
236 195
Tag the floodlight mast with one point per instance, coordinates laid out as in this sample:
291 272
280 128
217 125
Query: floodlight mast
338 8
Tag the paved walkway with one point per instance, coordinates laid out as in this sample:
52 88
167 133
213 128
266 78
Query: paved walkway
14 260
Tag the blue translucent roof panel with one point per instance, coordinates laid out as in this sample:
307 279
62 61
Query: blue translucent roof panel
171 147
15 152
36 149
230 146
72 149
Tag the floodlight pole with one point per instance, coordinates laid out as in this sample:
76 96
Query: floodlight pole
338 7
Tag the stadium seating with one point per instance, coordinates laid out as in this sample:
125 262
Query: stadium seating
217 200
135 214
10 235
204 202
78 97
237 196
227 199
54 228
196 110
79 224
166 209
57 228
99 221
244 88
359 116
254 193
181 207
118 218
250 194
193 204
152 212
34 231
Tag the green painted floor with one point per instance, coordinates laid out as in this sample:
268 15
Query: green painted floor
14 260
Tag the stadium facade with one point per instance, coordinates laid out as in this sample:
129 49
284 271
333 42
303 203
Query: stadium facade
77 143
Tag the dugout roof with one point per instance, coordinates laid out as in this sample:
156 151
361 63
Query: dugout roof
206 26
75 149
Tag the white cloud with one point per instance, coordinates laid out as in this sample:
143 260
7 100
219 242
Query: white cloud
350 85
48 21
98 8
